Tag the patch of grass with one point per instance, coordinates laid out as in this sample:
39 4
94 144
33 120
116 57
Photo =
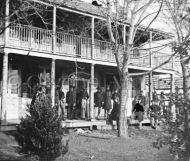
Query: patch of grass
6 139
138 147
9 148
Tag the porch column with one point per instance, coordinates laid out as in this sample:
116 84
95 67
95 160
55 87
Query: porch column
150 74
6 32
53 60
53 81
143 87
172 88
150 87
54 30
92 93
92 36
4 96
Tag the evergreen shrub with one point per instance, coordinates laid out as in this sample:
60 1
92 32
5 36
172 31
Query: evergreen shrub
40 132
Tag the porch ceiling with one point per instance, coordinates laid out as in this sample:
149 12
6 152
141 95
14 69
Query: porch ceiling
110 66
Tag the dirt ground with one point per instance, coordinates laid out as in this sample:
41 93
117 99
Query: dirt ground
101 146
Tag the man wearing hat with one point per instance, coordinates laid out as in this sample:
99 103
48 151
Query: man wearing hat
71 101
98 101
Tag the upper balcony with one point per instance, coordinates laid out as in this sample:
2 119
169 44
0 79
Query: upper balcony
40 40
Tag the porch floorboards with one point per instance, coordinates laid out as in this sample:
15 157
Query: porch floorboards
99 124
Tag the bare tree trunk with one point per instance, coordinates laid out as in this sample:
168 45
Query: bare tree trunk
186 78
123 126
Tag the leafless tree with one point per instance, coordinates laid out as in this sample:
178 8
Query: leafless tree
133 13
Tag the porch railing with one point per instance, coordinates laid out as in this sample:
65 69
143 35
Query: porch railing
37 39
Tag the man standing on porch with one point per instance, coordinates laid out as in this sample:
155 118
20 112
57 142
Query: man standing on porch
71 101
61 103
84 97
107 102
98 101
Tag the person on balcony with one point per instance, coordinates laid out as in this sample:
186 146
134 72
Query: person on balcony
62 104
98 101
84 98
107 102
71 101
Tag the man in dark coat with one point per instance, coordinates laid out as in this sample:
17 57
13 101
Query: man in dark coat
116 103
98 101
138 108
71 101
107 102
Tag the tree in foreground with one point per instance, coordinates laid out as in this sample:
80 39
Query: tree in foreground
40 132
133 14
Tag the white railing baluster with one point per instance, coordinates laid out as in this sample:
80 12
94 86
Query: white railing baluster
28 37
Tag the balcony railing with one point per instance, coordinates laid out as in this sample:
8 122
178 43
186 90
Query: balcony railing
37 39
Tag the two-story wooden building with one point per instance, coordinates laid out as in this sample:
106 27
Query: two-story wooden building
31 55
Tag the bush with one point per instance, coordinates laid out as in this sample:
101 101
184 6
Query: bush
177 125
40 132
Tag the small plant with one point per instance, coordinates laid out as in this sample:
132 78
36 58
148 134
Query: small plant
40 132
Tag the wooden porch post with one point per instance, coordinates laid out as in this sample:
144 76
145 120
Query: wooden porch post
150 88
54 30
53 60
92 93
92 73
150 75
143 87
3 108
3 111
53 81
92 36
6 32
172 88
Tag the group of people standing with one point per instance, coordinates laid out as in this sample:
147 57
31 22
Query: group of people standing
107 102
74 105
154 111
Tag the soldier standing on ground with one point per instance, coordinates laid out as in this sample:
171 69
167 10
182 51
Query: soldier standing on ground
139 107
